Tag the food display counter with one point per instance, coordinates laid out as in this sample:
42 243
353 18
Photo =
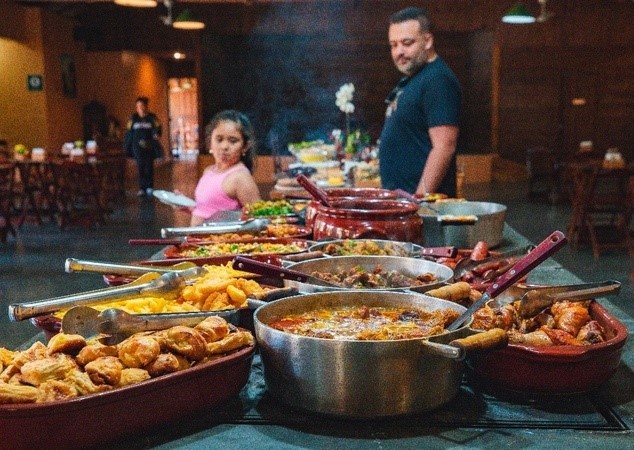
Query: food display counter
479 416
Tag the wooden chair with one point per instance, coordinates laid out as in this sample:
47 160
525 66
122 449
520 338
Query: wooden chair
540 163
607 210
7 174
78 195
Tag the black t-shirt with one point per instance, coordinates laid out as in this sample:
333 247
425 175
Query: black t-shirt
429 98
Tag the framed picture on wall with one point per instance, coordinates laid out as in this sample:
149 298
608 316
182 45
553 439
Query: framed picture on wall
69 79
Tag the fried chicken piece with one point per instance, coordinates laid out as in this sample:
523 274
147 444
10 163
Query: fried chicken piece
138 351
560 337
55 367
17 393
538 337
487 318
591 333
230 342
93 351
132 375
185 341
55 390
570 316
105 370
213 328
70 344
163 364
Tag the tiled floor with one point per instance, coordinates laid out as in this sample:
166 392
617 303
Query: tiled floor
32 266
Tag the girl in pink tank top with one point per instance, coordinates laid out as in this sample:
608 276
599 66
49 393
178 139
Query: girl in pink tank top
228 183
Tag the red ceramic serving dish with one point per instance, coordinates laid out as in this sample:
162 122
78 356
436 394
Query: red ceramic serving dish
395 220
96 419
563 369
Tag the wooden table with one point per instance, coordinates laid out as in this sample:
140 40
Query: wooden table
601 197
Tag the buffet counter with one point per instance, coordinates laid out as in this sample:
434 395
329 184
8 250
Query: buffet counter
476 417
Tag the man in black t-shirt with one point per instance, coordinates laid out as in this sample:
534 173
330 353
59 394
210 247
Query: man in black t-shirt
418 143
141 143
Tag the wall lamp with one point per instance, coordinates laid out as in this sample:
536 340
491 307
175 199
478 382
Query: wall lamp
186 20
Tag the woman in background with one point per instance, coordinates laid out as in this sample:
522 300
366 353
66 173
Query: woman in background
227 184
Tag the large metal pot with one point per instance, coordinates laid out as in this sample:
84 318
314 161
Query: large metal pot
359 379
445 231
409 266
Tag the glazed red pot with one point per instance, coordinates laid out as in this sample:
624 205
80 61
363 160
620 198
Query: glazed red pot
562 369
347 193
354 218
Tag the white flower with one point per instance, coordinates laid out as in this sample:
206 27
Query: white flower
344 98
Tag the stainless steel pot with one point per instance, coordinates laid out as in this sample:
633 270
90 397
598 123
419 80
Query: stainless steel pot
360 379
442 231
409 266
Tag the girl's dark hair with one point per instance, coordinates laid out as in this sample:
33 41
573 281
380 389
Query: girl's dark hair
245 127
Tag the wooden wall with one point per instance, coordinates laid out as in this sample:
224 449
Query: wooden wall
282 64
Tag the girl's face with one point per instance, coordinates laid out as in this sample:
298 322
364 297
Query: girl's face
227 144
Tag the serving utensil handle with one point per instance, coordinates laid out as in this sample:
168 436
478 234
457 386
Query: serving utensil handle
269 270
313 190
547 247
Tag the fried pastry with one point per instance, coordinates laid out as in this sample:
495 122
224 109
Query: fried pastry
138 351
16 393
213 328
133 375
185 341
70 344
6 356
163 364
55 390
35 351
51 368
230 342
105 370
93 351
83 384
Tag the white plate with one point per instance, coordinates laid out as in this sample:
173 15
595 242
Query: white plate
172 198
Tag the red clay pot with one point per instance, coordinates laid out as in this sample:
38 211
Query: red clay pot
354 218
347 193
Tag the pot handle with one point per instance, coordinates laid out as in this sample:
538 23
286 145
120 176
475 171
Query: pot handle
482 341
449 219
478 342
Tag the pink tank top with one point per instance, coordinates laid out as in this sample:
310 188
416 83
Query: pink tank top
210 197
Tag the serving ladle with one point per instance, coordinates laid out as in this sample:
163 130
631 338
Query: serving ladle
150 284
315 191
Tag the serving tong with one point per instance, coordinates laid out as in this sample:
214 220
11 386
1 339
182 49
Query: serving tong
186 269
539 297
113 325
217 228
166 285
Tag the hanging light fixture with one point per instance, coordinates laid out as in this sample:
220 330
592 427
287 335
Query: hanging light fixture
137 3
518 14
187 20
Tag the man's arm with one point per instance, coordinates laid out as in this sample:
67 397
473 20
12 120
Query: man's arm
444 140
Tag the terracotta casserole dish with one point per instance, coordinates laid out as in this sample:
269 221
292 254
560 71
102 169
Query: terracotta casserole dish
563 369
